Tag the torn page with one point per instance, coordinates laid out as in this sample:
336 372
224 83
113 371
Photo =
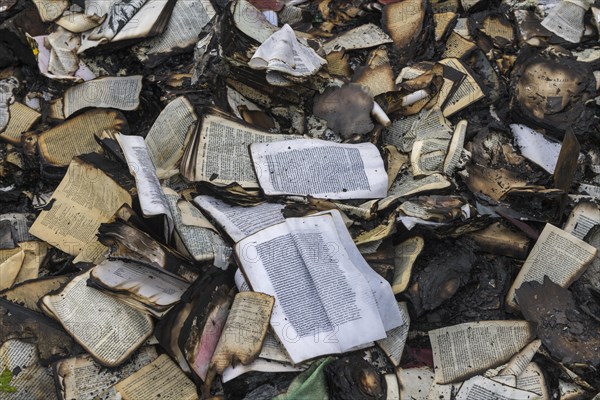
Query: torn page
361 37
22 119
556 254
566 19
536 147
532 379
406 254
63 48
50 10
321 169
110 92
151 196
20 222
27 294
84 199
244 331
456 147
407 185
313 242
198 236
166 138
162 379
76 136
467 93
393 344
282 55
119 15
461 351
240 222
521 360
118 328
582 219
7 87
427 124
481 388
414 382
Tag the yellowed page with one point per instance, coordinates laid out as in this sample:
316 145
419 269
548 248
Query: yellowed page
244 331
84 199
160 380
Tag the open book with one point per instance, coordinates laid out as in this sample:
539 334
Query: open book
217 150
327 298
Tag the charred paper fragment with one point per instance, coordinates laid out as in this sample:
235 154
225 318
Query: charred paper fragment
23 119
347 109
127 242
27 294
566 333
559 90
51 341
354 378
7 87
586 289
77 136
431 286
191 330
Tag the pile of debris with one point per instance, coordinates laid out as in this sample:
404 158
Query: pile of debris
293 199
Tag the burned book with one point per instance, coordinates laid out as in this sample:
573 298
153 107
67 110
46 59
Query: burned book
217 150
120 330
75 136
126 242
86 198
187 20
81 376
191 330
144 288
126 23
